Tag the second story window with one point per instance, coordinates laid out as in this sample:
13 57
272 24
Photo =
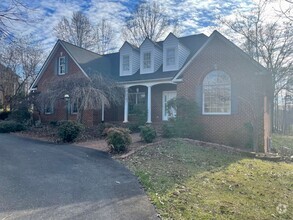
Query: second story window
147 60
170 56
125 62
61 66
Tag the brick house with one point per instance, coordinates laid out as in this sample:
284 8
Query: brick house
231 89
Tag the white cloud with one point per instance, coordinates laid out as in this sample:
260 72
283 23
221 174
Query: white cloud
195 16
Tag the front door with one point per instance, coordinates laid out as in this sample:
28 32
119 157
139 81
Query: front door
168 113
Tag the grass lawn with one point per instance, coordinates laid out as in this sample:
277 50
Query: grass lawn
282 141
186 181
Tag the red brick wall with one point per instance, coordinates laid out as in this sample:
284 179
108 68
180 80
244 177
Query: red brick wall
60 105
157 100
247 87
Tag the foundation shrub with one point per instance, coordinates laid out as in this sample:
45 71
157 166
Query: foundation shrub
148 133
118 139
68 131
11 126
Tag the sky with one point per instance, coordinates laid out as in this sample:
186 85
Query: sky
196 16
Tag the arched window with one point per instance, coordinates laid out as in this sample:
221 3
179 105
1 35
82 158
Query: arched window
217 93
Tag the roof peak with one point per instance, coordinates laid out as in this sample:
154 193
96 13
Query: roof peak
63 41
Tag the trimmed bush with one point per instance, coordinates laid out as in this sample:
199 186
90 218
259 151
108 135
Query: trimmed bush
103 128
21 115
147 133
4 115
118 139
10 126
68 131
168 130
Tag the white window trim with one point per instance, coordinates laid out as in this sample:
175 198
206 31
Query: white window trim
163 104
59 61
71 109
123 56
51 109
216 113
151 63
174 64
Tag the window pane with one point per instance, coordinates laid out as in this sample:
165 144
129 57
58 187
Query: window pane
61 67
136 101
147 60
170 60
125 62
217 93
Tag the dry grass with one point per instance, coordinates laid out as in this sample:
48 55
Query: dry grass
186 181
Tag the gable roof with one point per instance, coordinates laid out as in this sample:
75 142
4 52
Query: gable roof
218 35
92 63
192 42
130 45
88 61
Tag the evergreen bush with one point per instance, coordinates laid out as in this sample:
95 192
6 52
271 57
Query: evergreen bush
68 131
118 139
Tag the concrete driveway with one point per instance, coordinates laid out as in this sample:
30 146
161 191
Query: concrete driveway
40 180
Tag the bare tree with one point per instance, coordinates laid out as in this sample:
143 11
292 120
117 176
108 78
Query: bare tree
22 60
105 37
12 12
78 30
8 84
149 21
270 42
87 93
287 12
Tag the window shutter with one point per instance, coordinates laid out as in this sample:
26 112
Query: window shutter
199 100
56 66
66 64
234 99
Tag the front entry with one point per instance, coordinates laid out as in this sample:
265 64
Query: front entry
168 113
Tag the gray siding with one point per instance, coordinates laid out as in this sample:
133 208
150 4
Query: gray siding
135 61
158 58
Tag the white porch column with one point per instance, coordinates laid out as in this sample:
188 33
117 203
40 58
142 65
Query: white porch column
103 110
149 110
125 105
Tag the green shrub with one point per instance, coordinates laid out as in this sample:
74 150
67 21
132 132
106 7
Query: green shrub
185 124
138 116
53 123
148 133
102 129
118 139
10 126
4 115
133 127
68 131
21 115
168 130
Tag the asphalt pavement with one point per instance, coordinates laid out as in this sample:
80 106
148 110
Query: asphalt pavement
40 180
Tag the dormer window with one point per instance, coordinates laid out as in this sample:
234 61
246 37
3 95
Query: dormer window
147 60
125 62
61 66
170 56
